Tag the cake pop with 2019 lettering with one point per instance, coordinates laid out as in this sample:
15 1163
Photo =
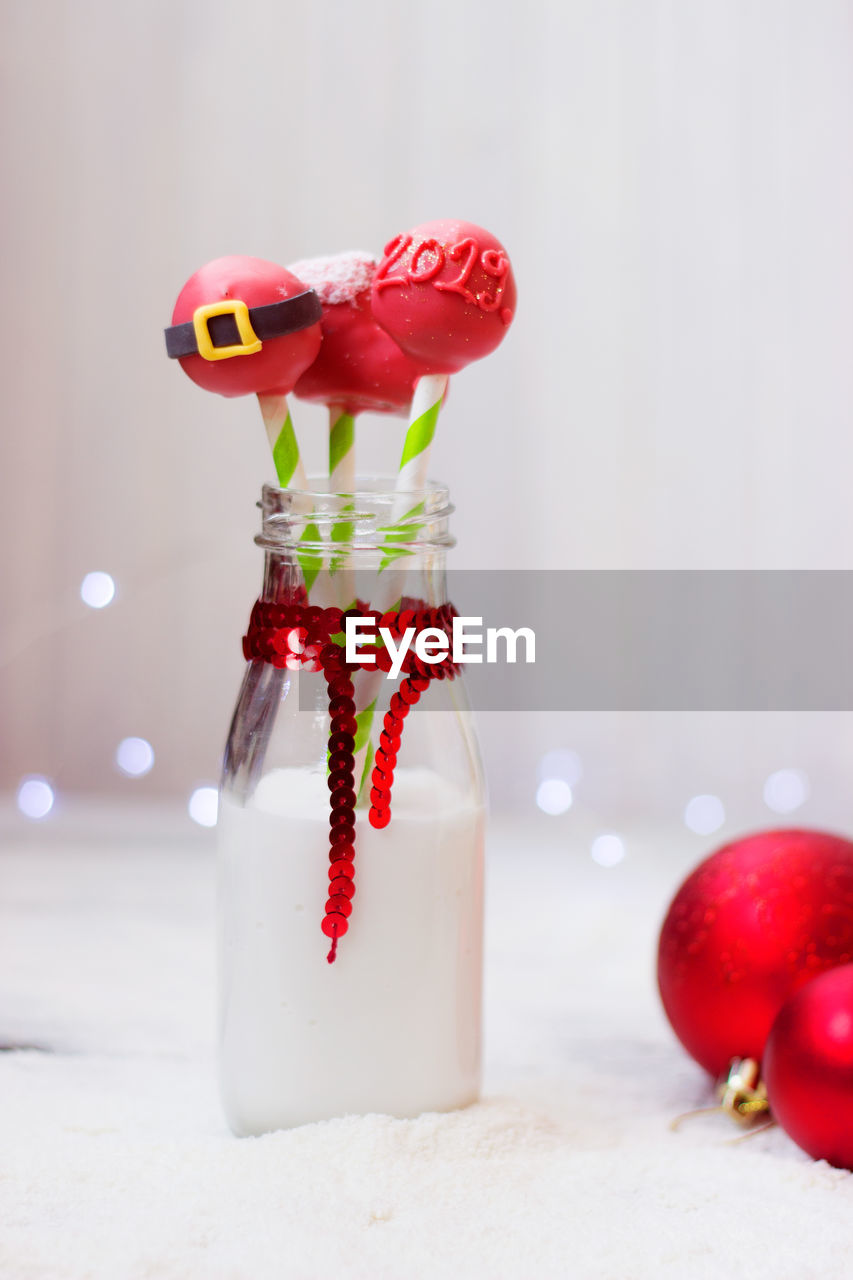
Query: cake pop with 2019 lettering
445 292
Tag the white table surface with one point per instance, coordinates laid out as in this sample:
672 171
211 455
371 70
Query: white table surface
115 1161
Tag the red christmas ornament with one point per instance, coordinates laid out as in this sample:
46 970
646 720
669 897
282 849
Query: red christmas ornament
751 925
808 1067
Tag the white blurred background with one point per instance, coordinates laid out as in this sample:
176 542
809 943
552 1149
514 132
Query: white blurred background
673 181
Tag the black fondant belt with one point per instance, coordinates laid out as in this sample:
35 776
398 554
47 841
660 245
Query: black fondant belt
228 328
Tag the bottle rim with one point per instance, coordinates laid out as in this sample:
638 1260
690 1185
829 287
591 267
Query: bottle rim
374 516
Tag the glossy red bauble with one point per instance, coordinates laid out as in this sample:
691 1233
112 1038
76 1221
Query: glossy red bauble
808 1067
752 924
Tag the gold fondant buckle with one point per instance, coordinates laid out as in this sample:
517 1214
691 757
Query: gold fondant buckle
249 341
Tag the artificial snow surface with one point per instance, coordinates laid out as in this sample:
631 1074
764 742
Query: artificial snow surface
115 1162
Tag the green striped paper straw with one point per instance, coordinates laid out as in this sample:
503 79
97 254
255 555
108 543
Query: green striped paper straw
283 442
341 480
290 471
426 404
412 473
341 450
414 461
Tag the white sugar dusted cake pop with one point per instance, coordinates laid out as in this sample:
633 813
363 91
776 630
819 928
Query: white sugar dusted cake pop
359 366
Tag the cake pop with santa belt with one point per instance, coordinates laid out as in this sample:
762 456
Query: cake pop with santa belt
243 325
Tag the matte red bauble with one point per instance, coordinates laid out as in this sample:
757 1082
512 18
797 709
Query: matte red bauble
752 924
808 1067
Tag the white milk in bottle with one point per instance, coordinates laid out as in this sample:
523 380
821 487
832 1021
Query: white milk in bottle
394 1024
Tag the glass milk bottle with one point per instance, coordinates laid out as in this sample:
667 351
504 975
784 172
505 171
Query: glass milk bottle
393 1025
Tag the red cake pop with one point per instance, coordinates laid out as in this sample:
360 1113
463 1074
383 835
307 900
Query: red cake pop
359 367
445 293
243 325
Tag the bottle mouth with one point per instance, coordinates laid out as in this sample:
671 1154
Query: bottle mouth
375 516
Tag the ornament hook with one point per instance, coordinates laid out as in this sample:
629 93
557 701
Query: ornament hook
742 1094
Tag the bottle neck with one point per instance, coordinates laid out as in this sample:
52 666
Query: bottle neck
374 546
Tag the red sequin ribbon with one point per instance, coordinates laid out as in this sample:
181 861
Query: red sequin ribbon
299 636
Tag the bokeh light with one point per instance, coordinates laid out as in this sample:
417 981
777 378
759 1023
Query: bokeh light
135 757
35 797
786 790
607 850
704 815
203 806
97 590
554 796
